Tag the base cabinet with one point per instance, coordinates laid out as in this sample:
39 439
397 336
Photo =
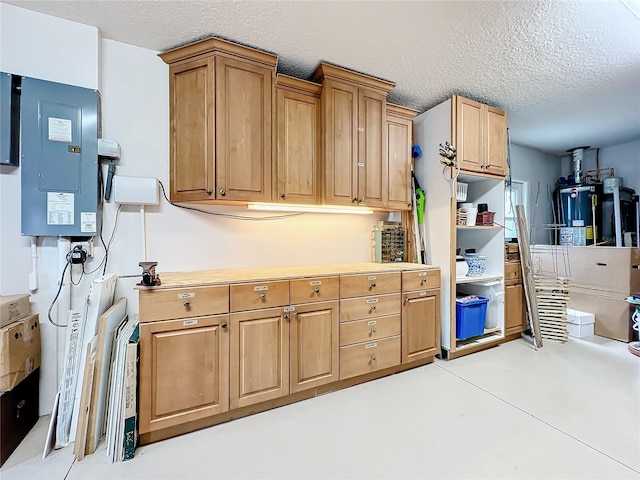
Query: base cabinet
184 371
514 314
515 311
259 356
420 325
313 340
278 340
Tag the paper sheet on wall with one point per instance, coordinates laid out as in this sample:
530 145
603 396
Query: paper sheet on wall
59 130
60 208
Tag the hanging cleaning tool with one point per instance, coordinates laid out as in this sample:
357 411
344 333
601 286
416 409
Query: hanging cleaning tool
594 204
419 205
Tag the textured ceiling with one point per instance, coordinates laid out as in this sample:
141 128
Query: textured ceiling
568 73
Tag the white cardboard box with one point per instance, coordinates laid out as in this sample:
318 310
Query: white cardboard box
580 331
580 324
580 318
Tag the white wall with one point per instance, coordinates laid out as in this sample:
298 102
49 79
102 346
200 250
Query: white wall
49 48
541 171
134 90
624 158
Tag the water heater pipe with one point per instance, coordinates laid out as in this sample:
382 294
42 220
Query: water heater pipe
616 214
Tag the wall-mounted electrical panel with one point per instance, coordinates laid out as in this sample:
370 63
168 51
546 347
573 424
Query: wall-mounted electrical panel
10 119
59 168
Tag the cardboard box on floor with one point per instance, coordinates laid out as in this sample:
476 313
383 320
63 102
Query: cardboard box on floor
19 351
13 308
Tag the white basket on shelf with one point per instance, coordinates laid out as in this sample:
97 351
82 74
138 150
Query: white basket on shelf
461 194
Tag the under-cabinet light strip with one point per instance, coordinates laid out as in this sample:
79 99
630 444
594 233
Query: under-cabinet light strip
274 207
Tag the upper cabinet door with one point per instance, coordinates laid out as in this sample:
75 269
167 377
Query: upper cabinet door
496 141
372 147
298 147
244 96
469 124
340 114
192 138
397 169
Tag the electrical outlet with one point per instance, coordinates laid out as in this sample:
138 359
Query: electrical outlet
86 246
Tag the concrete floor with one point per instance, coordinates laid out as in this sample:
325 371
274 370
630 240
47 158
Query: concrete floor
566 411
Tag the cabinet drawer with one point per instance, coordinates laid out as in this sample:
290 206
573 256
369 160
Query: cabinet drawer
369 307
369 330
368 357
420 280
512 270
314 289
256 295
369 284
166 304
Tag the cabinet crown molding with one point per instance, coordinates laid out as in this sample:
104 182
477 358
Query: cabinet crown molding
215 45
333 72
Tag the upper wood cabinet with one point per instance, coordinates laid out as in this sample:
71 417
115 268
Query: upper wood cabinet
397 169
221 98
481 137
298 164
240 134
354 136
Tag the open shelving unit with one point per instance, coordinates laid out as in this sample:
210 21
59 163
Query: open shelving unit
443 234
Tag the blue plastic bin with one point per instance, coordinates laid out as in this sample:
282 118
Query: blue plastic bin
470 317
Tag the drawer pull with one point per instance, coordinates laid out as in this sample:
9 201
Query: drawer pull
223 325
187 304
316 290
635 266
373 285
373 330
262 296
423 281
373 307
373 358
600 264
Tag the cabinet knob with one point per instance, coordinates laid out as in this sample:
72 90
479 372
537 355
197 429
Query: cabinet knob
223 191
286 316
422 282
209 191
373 357
282 195
187 304
295 315
262 296
373 307
316 290
373 285
406 300
355 199
373 330
223 325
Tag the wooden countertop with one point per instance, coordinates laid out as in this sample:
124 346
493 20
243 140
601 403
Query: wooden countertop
233 275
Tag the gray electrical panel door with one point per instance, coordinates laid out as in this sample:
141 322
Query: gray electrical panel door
59 167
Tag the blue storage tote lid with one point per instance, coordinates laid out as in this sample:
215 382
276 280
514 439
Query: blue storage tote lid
471 300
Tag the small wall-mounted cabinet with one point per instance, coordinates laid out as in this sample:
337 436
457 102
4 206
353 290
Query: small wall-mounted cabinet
480 137
221 98
354 136
298 164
